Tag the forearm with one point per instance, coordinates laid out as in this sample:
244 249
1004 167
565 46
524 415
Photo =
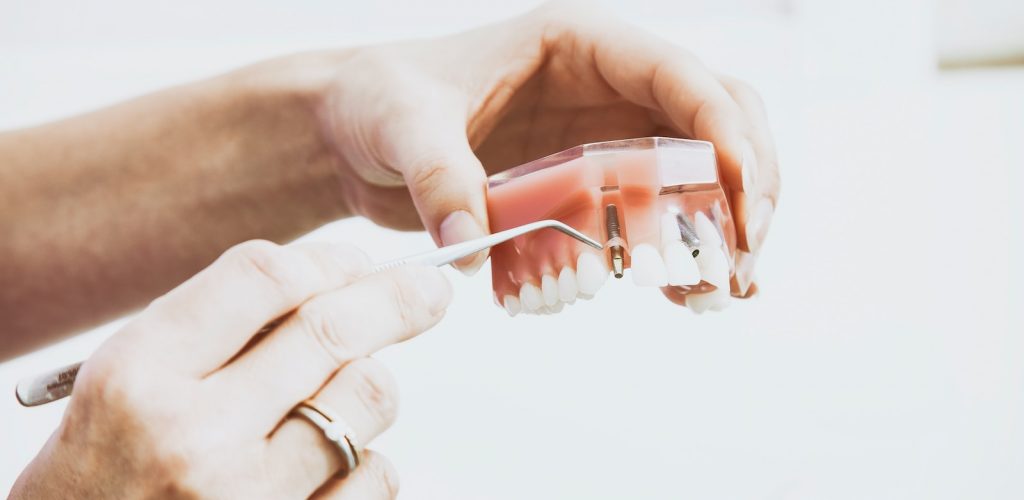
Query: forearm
102 212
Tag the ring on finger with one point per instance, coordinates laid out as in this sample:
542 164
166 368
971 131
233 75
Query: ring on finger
335 430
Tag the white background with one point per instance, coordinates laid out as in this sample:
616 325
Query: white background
883 358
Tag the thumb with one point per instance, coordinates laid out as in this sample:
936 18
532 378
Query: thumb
446 181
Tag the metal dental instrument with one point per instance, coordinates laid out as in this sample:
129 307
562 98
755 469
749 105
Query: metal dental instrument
57 384
452 253
615 241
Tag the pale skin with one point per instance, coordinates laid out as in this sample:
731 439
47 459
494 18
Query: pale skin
106 211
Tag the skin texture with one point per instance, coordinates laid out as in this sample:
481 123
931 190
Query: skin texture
104 212
160 425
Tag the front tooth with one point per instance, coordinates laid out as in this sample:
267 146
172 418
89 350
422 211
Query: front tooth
567 286
700 302
512 305
714 266
549 288
591 273
681 266
715 300
722 299
706 231
647 266
557 308
530 297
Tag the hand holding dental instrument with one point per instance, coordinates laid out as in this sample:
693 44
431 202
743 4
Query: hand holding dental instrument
58 384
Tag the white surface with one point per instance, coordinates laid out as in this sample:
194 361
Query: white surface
882 360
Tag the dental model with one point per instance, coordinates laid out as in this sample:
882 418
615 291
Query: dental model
656 203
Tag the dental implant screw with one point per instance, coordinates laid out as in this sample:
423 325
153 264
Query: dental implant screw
611 216
688 233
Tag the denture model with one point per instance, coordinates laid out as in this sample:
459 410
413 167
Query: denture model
656 203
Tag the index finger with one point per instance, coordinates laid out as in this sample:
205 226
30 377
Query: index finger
204 322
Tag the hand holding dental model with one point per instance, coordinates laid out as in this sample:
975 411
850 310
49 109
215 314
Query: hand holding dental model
559 78
195 397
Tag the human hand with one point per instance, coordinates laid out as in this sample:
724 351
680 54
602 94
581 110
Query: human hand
439 115
192 398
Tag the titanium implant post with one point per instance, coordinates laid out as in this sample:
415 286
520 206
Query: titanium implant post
688 233
611 216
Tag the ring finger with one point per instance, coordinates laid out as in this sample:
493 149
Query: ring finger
364 395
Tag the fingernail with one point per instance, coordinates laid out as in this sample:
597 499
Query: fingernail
748 170
435 288
758 221
460 226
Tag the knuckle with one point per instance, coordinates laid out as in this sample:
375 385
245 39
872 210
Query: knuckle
272 263
409 303
429 175
322 325
376 389
741 91
340 260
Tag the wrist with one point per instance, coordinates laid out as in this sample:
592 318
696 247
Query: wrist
278 105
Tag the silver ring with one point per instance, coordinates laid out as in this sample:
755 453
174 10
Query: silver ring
335 430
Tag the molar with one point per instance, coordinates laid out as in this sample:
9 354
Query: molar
591 273
647 267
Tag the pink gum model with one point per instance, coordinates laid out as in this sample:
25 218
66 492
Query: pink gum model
673 229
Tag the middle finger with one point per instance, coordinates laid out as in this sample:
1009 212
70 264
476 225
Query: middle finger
324 334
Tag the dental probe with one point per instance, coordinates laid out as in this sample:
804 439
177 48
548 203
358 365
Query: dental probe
57 384
452 253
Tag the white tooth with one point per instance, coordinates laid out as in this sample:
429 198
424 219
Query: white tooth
715 300
706 231
700 302
681 266
669 229
549 288
585 296
647 267
530 297
591 273
567 286
714 266
722 299
512 305
557 308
